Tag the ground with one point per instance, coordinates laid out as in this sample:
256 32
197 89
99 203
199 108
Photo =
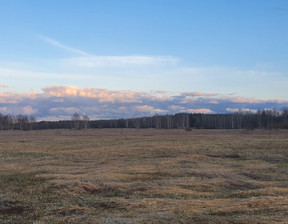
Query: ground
144 176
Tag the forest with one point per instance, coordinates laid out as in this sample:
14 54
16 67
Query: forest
264 119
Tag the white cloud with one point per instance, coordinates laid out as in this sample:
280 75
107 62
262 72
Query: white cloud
214 102
62 101
66 110
201 110
176 108
60 45
118 61
28 110
103 95
144 108
20 74
90 60
234 110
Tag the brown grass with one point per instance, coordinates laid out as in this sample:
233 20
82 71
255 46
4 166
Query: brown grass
144 176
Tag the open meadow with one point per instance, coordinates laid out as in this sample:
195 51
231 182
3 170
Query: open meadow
144 176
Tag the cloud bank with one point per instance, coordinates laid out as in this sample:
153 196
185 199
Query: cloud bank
60 102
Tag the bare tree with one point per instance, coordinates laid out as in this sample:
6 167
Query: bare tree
22 121
76 120
32 121
85 121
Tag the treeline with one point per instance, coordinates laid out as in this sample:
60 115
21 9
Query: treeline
265 119
19 122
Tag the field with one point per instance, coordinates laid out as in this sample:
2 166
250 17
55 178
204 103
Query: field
144 176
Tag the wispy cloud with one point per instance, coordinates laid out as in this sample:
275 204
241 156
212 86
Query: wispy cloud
90 60
3 86
119 61
60 45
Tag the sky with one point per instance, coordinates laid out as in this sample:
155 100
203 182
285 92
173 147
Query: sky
127 58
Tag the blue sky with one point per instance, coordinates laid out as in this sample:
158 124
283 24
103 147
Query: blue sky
232 49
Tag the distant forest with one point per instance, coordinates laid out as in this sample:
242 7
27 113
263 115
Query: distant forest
265 119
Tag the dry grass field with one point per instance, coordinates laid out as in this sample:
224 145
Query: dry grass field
144 176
